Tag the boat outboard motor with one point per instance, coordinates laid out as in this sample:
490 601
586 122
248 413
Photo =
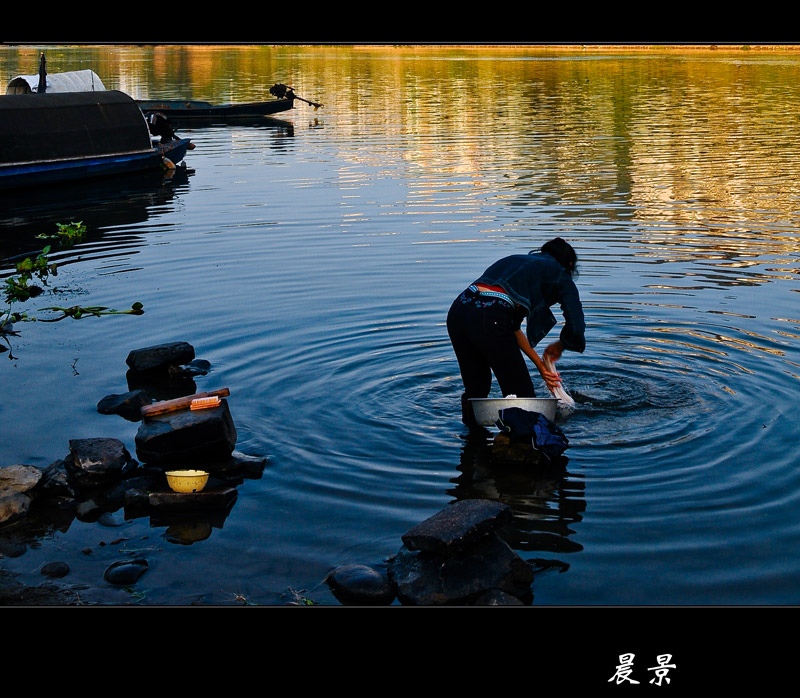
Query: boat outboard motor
282 91
159 126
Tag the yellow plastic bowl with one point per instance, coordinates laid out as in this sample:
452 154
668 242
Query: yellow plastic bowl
187 480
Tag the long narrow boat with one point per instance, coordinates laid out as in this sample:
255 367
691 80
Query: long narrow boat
183 109
180 110
48 138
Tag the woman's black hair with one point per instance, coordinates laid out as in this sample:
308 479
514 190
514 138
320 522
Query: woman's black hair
563 253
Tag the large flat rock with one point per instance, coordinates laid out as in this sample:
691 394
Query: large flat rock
431 579
220 497
187 438
457 526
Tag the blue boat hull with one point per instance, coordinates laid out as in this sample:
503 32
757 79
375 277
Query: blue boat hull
67 136
68 170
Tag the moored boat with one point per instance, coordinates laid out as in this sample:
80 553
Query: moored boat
178 109
48 138
185 109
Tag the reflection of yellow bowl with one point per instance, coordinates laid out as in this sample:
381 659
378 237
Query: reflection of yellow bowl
187 480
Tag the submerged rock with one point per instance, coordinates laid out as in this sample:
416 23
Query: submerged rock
198 367
55 570
124 572
238 466
88 510
360 585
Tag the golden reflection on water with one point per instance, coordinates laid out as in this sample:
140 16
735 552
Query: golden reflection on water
697 149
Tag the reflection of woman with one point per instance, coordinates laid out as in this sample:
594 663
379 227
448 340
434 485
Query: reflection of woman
484 322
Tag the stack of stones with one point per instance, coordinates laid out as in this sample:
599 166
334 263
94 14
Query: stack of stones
453 558
174 440
456 557
157 370
100 474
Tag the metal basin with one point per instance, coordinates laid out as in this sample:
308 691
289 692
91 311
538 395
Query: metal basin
487 409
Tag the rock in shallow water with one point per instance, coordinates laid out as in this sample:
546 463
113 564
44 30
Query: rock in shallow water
15 483
160 356
209 499
124 572
360 585
456 557
97 461
14 506
55 570
431 579
18 478
187 437
128 405
457 525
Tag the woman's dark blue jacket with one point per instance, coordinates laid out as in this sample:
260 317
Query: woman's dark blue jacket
536 281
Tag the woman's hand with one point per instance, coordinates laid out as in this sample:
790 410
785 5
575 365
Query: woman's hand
554 351
551 378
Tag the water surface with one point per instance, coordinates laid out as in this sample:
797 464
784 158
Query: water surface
312 261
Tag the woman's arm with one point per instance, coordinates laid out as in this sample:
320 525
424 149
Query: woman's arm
552 380
554 351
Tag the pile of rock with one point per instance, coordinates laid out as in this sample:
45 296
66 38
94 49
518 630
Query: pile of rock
160 370
453 558
187 438
100 475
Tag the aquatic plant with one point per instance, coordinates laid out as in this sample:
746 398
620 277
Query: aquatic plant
67 234
19 288
297 597
76 312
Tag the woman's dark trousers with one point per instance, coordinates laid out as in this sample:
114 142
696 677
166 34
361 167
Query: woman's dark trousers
482 330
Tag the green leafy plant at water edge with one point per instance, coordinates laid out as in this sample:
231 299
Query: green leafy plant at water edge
19 288
67 234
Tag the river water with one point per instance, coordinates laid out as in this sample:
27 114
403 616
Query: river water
312 261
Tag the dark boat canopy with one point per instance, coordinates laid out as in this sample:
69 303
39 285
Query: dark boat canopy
68 125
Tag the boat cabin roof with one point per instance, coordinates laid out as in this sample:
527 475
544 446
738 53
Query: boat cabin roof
72 81
69 125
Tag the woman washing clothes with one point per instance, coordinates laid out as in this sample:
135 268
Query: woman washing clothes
484 322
